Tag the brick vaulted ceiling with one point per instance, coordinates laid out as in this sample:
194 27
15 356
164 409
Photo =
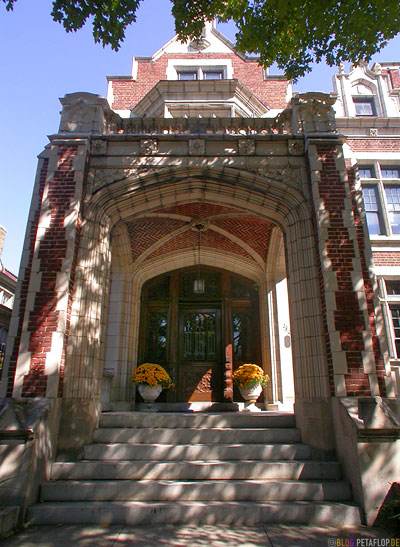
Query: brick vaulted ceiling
168 230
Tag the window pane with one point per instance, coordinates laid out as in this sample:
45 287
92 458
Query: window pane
372 210
393 287
364 107
366 171
157 337
373 223
213 75
187 75
393 201
395 311
241 324
390 172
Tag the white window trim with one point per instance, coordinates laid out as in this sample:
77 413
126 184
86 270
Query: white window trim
386 301
380 184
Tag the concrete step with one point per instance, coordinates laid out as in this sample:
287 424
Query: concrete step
187 470
120 451
200 420
205 490
190 512
196 436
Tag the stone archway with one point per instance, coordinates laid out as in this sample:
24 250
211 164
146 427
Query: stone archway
152 244
131 197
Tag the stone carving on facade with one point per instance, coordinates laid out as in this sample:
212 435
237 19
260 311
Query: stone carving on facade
197 147
373 132
287 175
295 147
283 122
98 178
147 127
199 44
313 113
83 113
148 147
377 68
247 147
98 147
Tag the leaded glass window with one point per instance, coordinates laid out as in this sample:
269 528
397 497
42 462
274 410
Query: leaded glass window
199 336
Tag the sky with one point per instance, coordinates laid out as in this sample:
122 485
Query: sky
40 62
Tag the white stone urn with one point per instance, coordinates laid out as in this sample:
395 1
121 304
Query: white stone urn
250 394
149 394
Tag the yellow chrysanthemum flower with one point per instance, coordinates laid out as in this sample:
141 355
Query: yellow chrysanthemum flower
152 375
250 375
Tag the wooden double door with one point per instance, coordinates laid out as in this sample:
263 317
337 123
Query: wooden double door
193 336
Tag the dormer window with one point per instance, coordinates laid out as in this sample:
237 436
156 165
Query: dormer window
200 73
213 74
364 106
187 75
195 69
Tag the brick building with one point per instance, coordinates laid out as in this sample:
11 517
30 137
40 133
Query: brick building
202 167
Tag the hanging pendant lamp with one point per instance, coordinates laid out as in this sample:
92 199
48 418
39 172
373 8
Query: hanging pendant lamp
199 283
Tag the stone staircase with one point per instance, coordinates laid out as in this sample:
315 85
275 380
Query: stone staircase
230 468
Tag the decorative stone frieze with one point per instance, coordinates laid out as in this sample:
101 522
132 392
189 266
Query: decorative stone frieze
247 147
288 175
197 147
295 147
148 147
98 178
98 147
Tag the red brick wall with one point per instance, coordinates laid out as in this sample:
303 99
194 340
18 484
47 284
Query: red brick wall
25 281
52 250
395 78
348 317
44 317
386 258
374 145
250 73
349 320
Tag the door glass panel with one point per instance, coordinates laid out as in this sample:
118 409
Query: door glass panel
241 324
199 336
157 337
